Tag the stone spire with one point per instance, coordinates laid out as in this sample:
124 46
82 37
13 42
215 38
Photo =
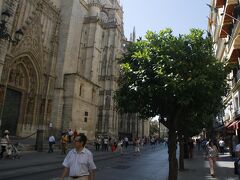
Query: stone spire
131 37
134 34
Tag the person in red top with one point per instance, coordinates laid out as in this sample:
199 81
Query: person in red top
75 133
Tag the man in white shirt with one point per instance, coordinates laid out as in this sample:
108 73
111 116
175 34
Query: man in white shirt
70 134
221 146
51 142
126 142
78 163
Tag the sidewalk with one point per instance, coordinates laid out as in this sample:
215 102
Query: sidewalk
198 168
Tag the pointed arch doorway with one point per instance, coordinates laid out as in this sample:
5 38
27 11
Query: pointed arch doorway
20 100
11 110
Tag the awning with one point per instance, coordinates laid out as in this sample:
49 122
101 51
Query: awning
233 125
225 30
228 13
220 3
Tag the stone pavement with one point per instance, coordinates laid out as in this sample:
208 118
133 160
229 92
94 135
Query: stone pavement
198 168
34 163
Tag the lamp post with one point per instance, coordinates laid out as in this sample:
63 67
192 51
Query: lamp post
137 127
159 124
4 35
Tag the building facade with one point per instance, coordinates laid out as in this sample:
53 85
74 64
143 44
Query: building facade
224 26
64 71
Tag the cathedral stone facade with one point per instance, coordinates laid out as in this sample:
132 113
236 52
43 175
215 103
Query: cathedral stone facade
64 71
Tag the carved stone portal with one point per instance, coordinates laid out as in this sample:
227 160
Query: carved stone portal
23 78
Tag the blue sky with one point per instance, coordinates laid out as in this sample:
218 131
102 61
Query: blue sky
179 15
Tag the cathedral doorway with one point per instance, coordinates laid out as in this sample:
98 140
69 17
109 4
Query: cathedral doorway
19 113
11 110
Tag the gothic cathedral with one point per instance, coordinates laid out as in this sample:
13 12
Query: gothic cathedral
63 73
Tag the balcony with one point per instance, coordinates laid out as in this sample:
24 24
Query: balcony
234 41
234 47
219 3
237 113
227 20
236 78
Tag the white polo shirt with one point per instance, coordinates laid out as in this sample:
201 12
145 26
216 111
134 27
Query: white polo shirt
80 163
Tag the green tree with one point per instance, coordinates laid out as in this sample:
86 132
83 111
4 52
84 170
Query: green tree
154 128
172 76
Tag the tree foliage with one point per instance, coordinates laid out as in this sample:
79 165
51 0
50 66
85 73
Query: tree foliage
154 128
165 74
177 77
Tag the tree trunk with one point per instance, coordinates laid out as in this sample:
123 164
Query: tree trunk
181 154
173 164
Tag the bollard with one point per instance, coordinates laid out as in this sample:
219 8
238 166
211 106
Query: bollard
39 141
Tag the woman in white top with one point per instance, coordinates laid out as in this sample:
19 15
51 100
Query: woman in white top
212 154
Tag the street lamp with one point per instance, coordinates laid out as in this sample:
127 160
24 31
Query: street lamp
4 31
159 124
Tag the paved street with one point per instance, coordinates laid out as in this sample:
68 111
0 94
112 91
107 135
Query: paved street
150 165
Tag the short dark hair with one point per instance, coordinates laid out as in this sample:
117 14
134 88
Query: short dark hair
81 138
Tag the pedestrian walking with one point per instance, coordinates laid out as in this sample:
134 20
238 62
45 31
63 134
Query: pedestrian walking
137 146
120 146
64 140
237 161
198 142
190 147
70 134
75 133
97 143
152 142
126 142
79 164
221 145
4 143
51 142
105 140
212 154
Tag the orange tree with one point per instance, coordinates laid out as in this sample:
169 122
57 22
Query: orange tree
174 76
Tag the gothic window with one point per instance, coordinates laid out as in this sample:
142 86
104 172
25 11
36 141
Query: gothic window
85 116
93 94
81 90
107 102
